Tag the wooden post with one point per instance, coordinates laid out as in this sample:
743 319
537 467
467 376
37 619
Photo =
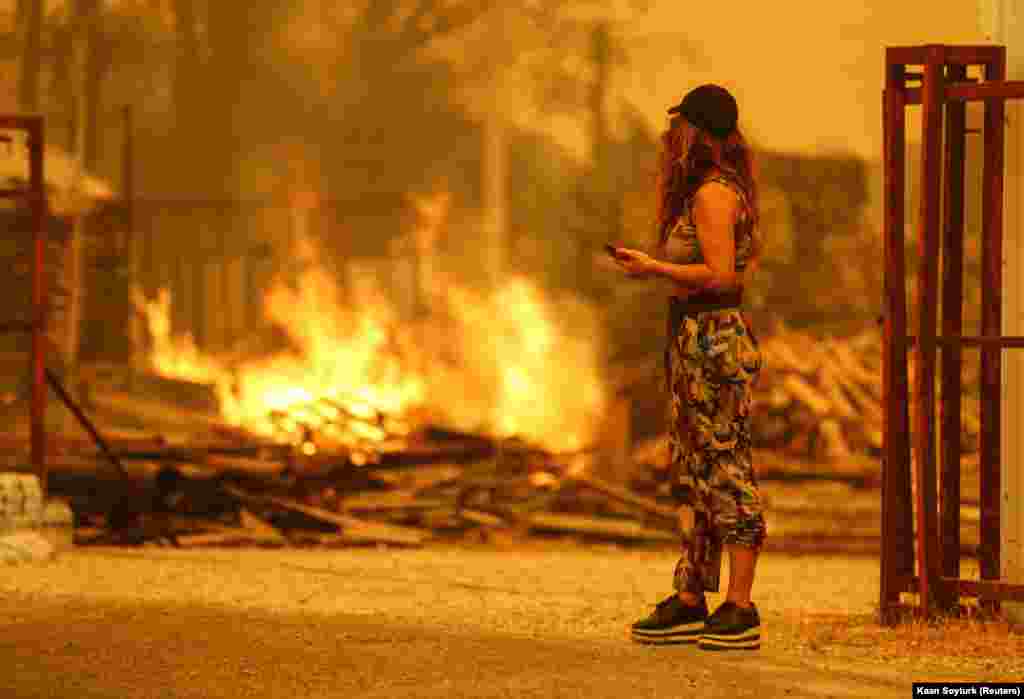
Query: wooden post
927 302
952 325
132 249
991 323
897 525
37 146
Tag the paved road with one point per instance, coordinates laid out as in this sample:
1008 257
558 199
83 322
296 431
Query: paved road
155 623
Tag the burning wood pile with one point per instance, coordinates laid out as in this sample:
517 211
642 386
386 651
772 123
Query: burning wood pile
366 424
408 489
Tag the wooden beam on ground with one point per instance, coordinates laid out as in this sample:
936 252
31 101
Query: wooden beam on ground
606 528
624 496
351 526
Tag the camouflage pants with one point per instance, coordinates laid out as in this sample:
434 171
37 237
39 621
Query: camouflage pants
712 362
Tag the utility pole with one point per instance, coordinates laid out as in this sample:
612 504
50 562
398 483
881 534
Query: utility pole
602 216
495 165
601 59
83 49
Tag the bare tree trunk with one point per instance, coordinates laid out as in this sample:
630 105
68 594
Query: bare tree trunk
97 65
601 58
30 16
87 77
495 195
186 65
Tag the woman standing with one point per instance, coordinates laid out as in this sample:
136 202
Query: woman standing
708 215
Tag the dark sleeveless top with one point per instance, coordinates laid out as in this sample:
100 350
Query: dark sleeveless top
683 246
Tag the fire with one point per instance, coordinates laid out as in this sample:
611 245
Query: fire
499 362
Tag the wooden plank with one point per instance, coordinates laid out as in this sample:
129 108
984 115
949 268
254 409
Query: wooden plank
927 303
419 479
352 527
624 496
807 394
119 405
897 557
991 321
227 537
484 519
390 501
242 465
607 528
254 524
952 324
19 443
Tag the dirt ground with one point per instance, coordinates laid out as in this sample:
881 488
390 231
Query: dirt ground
540 620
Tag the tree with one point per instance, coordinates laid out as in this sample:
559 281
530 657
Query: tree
30 28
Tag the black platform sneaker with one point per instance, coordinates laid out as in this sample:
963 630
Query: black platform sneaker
732 628
672 621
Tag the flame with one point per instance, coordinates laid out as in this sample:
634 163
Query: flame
497 362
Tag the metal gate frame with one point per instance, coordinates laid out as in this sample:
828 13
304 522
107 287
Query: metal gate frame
944 90
35 194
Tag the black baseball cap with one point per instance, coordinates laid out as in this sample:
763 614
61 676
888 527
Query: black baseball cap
709 107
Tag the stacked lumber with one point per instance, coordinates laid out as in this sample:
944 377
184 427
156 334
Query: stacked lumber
819 401
822 399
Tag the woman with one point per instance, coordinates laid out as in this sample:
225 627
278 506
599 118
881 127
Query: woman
707 216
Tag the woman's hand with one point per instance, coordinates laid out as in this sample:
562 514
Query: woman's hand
635 263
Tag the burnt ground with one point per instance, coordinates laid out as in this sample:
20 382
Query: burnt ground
538 620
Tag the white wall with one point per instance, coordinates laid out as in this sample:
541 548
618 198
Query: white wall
1002 22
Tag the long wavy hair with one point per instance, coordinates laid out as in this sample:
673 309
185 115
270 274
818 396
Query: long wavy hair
684 162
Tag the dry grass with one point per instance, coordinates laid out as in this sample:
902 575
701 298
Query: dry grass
971 636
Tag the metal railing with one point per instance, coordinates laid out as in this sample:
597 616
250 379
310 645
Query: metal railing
935 506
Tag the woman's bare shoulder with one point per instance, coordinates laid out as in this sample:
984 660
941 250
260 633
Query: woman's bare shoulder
718 195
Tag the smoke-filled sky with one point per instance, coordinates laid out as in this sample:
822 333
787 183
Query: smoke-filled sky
808 74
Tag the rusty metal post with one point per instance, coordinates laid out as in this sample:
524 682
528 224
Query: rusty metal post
952 325
991 320
927 301
37 190
939 583
897 524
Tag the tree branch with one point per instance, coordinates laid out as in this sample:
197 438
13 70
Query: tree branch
446 22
